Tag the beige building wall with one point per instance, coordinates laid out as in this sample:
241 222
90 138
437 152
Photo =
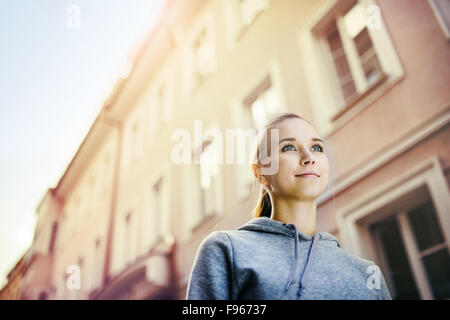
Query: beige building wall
12 290
84 222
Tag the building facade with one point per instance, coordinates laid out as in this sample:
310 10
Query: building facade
372 76
12 290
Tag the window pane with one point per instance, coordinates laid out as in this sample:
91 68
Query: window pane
438 269
334 40
363 42
349 89
264 107
425 225
202 57
394 251
367 56
208 177
343 72
372 70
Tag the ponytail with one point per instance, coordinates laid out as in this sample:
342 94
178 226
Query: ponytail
264 206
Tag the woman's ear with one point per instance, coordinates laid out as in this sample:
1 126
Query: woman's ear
257 172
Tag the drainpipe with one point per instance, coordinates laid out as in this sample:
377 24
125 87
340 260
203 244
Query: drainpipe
114 197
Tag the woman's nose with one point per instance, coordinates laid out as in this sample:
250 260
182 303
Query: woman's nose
307 161
306 158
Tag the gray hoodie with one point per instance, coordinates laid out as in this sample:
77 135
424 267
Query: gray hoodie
268 259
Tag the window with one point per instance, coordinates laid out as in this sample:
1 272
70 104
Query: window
257 103
133 146
349 40
416 253
158 101
262 103
441 9
388 232
157 221
205 200
349 59
240 15
208 175
203 58
200 55
161 107
343 73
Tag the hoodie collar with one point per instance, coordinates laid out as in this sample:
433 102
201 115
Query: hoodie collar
266 224
269 225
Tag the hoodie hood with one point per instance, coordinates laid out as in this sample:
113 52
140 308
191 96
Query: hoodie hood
268 225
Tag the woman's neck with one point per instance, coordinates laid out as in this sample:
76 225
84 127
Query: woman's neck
292 211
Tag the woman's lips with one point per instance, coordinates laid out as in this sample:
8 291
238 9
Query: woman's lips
308 176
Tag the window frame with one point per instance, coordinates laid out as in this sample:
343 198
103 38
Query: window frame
205 23
236 27
323 87
243 177
356 69
215 188
418 185
413 254
164 219
196 219
152 105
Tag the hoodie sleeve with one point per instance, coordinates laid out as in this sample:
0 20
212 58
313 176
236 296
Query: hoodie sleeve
212 273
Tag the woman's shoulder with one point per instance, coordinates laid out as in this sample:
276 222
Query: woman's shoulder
357 261
232 239
215 237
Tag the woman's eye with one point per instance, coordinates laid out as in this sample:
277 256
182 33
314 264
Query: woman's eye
293 148
288 145
321 149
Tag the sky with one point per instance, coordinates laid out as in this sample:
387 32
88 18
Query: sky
58 63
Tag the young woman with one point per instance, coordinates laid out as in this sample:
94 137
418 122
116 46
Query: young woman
279 254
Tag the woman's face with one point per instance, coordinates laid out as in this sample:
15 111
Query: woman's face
299 153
